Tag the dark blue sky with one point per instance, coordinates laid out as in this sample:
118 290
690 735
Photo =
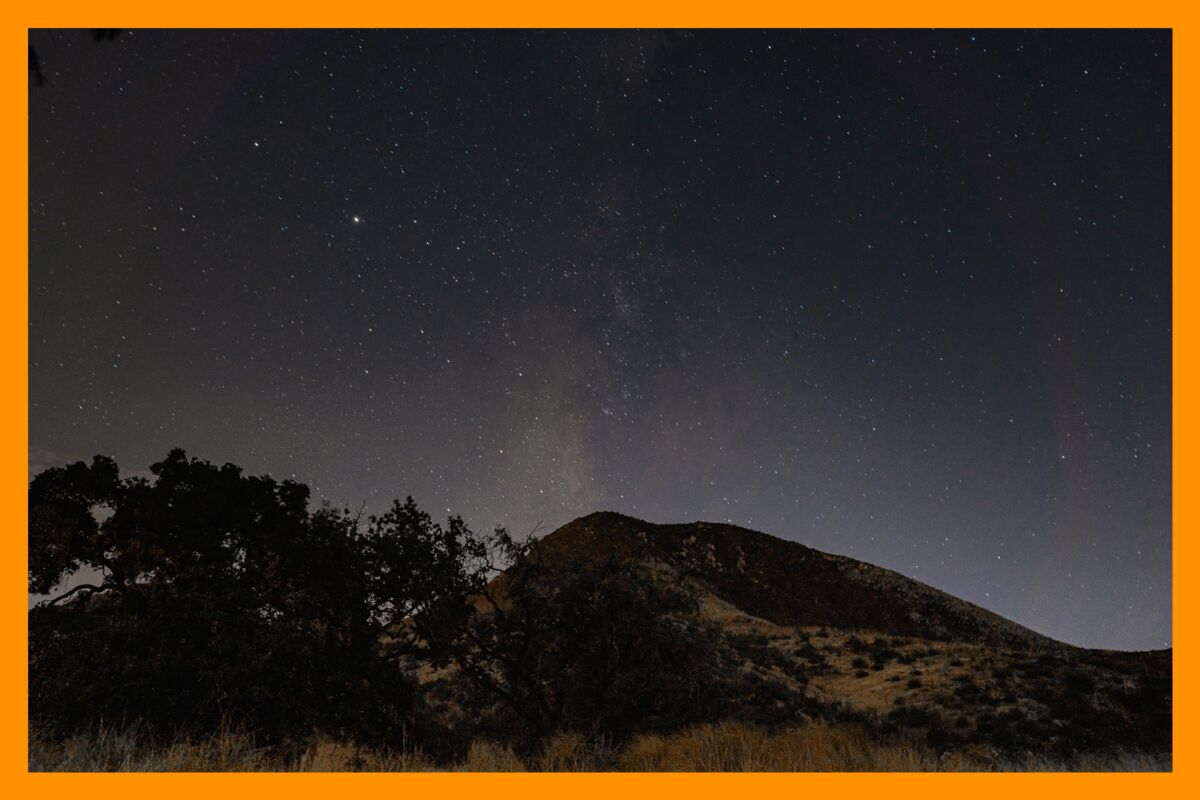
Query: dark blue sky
904 296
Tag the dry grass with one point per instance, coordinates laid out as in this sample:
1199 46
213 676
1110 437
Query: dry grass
111 749
734 747
326 756
489 757
1118 762
723 747
571 752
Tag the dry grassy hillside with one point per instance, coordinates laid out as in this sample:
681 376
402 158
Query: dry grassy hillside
804 635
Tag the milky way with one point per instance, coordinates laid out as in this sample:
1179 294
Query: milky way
904 296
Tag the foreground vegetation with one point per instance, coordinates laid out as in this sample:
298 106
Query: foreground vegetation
611 644
721 747
225 596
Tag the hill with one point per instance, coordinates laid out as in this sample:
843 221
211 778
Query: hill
788 584
799 634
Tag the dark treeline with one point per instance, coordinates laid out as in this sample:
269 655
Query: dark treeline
225 598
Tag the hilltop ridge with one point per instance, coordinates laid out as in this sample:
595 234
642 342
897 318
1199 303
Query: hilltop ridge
788 583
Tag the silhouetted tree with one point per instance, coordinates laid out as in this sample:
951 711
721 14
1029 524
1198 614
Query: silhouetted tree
35 67
223 597
420 578
35 62
586 641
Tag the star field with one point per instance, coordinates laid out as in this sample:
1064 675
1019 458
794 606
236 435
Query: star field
904 296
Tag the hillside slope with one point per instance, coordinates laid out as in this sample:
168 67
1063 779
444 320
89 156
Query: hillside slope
787 583
809 635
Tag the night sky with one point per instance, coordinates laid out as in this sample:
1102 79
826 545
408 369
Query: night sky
904 296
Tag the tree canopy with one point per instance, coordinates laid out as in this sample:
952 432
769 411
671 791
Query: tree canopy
225 597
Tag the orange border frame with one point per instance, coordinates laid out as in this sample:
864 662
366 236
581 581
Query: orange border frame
18 17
